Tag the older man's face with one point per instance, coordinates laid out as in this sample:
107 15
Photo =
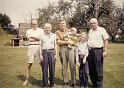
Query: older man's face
34 24
47 28
93 24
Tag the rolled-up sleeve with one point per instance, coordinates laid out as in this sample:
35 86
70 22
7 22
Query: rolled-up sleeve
57 36
104 34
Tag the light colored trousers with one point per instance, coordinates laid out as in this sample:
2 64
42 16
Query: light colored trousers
67 56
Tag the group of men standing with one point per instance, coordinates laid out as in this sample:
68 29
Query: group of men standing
43 45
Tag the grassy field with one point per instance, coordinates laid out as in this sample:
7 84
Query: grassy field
13 66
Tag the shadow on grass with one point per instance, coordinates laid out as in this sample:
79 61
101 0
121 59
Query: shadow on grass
58 82
118 42
32 80
89 85
39 83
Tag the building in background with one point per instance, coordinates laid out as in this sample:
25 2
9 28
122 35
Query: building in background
23 27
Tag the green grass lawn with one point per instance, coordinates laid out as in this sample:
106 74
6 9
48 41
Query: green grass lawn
13 67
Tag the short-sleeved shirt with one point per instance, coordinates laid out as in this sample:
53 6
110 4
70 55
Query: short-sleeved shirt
60 35
97 37
37 33
48 41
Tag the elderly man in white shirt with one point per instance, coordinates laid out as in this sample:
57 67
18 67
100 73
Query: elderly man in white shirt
97 42
33 35
49 52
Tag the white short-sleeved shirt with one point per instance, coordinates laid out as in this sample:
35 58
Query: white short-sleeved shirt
48 41
97 37
37 33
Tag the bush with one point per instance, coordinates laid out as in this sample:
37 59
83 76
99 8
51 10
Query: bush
5 38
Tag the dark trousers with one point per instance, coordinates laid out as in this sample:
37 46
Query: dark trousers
95 61
83 72
48 62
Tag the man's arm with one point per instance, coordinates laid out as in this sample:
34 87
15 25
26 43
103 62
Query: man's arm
36 39
77 57
56 50
32 39
41 57
105 47
59 39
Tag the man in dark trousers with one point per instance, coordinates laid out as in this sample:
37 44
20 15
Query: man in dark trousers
97 42
49 52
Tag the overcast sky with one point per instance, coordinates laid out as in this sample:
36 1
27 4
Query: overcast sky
19 10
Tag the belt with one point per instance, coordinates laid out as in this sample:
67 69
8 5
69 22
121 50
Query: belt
34 44
65 45
96 47
47 49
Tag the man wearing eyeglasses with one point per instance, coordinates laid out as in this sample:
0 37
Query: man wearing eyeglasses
33 36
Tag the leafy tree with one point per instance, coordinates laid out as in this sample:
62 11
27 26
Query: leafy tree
53 14
107 16
5 24
45 14
78 13
4 20
120 16
104 10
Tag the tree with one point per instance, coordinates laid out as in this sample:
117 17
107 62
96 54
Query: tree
53 13
107 16
103 10
5 24
45 14
79 20
120 16
4 20
78 13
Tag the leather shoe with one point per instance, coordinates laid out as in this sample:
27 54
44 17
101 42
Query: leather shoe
65 84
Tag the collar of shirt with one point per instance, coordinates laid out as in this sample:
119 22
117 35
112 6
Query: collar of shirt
34 29
95 29
64 30
48 34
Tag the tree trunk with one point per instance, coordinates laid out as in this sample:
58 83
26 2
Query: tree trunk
113 39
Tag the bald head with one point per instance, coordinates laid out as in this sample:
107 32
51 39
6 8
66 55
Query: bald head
94 23
47 25
34 21
93 20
